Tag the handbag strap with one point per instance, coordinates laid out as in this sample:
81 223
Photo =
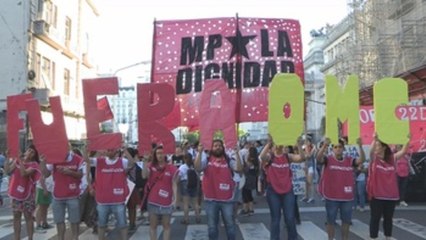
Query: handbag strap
158 178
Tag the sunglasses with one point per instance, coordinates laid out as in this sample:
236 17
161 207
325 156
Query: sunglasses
337 146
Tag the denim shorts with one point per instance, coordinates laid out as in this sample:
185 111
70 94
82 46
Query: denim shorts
58 209
159 210
185 191
345 208
119 211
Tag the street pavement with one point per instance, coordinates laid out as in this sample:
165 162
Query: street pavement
409 224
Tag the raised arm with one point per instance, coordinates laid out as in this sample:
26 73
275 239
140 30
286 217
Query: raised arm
298 157
145 170
264 155
320 155
132 160
404 149
43 168
373 146
26 172
9 165
238 165
197 162
361 158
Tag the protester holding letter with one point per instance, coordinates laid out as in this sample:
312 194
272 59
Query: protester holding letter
111 189
161 190
66 191
279 189
218 186
24 175
337 184
382 186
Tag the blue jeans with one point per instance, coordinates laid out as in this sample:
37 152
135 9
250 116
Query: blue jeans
119 211
285 203
360 194
332 207
212 211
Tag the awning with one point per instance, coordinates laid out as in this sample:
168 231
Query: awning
416 79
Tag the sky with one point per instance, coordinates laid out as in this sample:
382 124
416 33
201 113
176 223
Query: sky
125 30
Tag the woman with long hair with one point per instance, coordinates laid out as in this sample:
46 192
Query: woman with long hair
24 174
161 191
279 189
382 186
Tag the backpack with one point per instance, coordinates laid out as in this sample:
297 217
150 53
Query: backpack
192 178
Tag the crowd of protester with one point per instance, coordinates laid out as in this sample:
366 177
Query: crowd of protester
89 187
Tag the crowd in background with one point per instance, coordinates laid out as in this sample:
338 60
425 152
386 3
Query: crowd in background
92 186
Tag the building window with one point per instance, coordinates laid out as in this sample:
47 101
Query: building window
67 81
50 13
47 72
37 67
53 76
77 89
68 25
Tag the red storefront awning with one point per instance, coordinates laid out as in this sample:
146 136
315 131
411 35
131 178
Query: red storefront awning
416 79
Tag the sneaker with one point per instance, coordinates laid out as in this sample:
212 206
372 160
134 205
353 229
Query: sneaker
244 212
310 200
145 222
251 212
46 226
403 204
361 209
132 228
40 229
304 199
95 230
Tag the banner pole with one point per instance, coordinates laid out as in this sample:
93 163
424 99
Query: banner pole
154 36
238 84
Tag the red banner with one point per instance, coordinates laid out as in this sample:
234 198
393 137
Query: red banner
245 52
416 115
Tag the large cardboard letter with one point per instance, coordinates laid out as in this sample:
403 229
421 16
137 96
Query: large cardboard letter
91 89
285 117
218 117
342 104
390 93
50 140
150 113
15 104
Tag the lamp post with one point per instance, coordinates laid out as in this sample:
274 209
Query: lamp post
130 66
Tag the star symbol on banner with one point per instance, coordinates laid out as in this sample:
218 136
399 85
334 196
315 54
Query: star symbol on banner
239 43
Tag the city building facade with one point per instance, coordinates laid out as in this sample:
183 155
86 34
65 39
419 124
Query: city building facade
45 49
314 85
